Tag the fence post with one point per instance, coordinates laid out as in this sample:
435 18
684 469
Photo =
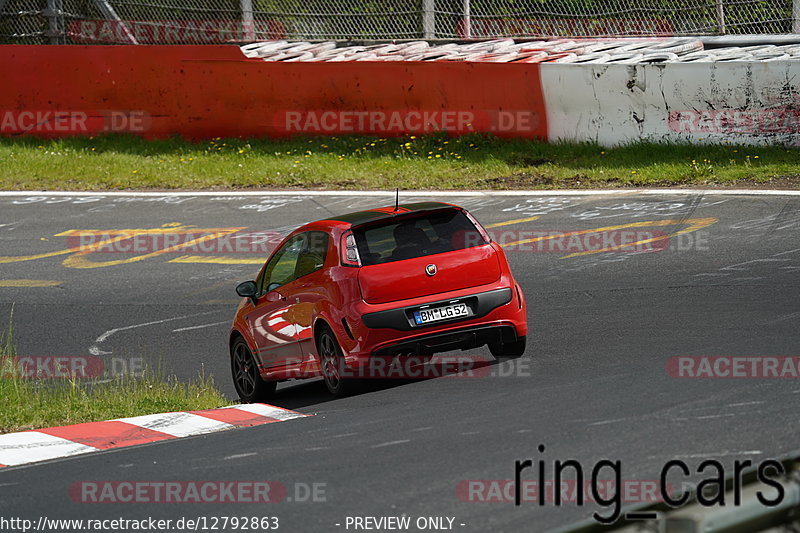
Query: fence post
110 13
796 16
248 27
428 19
720 17
55 21
468 19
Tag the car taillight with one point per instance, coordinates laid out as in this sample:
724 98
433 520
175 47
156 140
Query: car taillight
350 250
478 226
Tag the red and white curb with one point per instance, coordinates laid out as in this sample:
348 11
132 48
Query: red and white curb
64 441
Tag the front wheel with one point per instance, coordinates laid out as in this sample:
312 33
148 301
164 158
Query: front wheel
246 378
503 351
332 365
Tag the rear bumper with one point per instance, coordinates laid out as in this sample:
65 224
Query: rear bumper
462 338
401 319
498 313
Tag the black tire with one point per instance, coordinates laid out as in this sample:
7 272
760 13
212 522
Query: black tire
503 351
246 378
332 364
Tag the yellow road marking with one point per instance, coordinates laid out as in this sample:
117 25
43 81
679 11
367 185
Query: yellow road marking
78 260
29 283
76 254
510 222
170 227
20 258
694 224
218 260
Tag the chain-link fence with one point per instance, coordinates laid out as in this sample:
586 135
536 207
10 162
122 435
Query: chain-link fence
217 21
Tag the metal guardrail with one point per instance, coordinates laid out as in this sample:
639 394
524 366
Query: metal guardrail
750 516
623 51
218 21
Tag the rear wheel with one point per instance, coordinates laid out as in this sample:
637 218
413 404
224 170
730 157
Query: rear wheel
503 351
246 378
332 364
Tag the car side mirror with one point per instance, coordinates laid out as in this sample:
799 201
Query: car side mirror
272 286
248 289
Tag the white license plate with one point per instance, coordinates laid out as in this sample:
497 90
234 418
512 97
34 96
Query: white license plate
425 316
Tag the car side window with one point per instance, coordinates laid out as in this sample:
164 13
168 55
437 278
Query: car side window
312 258
280 269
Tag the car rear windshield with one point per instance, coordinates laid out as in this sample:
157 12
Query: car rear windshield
410 237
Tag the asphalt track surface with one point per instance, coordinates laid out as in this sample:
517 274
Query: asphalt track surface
592 385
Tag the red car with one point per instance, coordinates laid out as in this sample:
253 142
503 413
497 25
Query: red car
411 280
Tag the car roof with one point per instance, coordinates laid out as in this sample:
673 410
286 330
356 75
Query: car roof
359 218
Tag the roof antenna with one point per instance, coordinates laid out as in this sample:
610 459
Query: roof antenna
397 199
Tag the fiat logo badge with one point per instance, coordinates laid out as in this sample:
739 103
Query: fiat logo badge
430 269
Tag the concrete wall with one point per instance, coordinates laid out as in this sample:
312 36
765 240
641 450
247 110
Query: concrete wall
736 102
201 92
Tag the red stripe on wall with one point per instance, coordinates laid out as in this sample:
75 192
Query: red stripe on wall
208 91
106 435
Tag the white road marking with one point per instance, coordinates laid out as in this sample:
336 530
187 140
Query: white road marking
610 421
239 456
745 403
706 417
783 318
713 454
390 443
201 327
95 350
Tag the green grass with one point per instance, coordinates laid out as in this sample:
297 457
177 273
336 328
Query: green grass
357 162
35 403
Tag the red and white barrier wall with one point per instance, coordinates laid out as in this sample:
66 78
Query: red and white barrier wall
545 91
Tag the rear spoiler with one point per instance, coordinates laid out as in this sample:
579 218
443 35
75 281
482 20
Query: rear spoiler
373 217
